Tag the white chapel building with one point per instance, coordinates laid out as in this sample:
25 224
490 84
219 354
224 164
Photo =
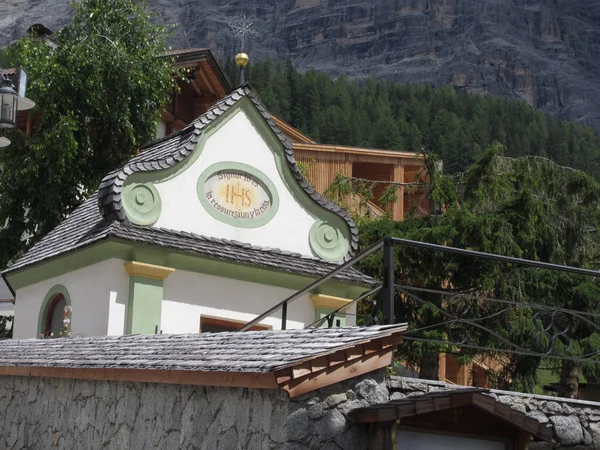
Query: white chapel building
204 230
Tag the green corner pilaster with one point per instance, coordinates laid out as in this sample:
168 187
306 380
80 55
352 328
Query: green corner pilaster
144 309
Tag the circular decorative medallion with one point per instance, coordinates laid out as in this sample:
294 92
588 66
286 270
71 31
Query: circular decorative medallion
238 194
142 203
327 241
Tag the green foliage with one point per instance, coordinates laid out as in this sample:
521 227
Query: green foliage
527 207
457 126
98 95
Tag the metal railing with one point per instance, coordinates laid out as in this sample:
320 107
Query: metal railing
387 287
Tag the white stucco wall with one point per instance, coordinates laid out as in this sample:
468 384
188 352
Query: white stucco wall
238 141
100 293
94 290
5 293
188 296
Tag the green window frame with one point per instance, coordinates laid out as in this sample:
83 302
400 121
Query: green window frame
53 296
338 321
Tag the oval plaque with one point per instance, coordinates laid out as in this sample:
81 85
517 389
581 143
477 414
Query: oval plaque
238 194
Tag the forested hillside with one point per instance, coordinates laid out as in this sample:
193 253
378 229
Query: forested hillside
457 126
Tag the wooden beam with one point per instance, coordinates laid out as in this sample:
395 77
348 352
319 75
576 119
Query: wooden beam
355 352
301 370
340 372
257 380
196 88
398 206
372 346
407 157
391 341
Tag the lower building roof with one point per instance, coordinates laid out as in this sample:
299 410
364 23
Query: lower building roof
296 360
429 406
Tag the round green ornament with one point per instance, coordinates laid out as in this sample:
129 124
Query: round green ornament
327 241
142 203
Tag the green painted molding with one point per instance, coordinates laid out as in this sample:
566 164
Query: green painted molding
128 251
327 241
322 312
50 295
245 105
289 180
142 203
144 310
260 177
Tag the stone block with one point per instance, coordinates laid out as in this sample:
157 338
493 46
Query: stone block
331 425
348 406
354 438
315 411
397 396
334 400
372 391
567 429
539 416
297 425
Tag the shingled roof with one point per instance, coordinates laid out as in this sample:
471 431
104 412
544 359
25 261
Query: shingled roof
168 152
86 227
269 358
102 216
434 405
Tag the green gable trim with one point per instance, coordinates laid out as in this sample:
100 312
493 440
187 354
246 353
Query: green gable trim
128 251
145 305
58 289
142 203
267 185
245 105
334 221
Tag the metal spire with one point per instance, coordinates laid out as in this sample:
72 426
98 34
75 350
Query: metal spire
242 28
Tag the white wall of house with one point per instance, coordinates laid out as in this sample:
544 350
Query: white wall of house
5 293
237 141
100 292
188 296
94 290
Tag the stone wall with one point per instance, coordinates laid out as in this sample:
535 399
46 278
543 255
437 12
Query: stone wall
319 420
42 413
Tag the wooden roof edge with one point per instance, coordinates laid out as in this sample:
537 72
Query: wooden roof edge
339 364
194 56
356 150
393 336
338 373
291 132
256 380
399 409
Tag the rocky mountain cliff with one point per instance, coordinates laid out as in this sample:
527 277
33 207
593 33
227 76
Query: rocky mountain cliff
546 52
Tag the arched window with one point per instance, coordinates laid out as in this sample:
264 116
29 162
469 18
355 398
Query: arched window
55 315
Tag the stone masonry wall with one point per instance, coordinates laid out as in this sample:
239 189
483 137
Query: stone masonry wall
44 413
318 420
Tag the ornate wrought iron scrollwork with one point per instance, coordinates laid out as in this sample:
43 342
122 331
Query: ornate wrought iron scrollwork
554 326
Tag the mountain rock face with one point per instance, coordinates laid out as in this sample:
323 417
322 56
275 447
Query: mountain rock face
546 52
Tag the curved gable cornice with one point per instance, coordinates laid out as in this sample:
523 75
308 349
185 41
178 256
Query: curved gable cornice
168 152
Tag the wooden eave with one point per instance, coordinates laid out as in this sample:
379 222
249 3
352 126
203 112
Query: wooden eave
323 148
445 400
298 378
325 369
257 380
292 133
